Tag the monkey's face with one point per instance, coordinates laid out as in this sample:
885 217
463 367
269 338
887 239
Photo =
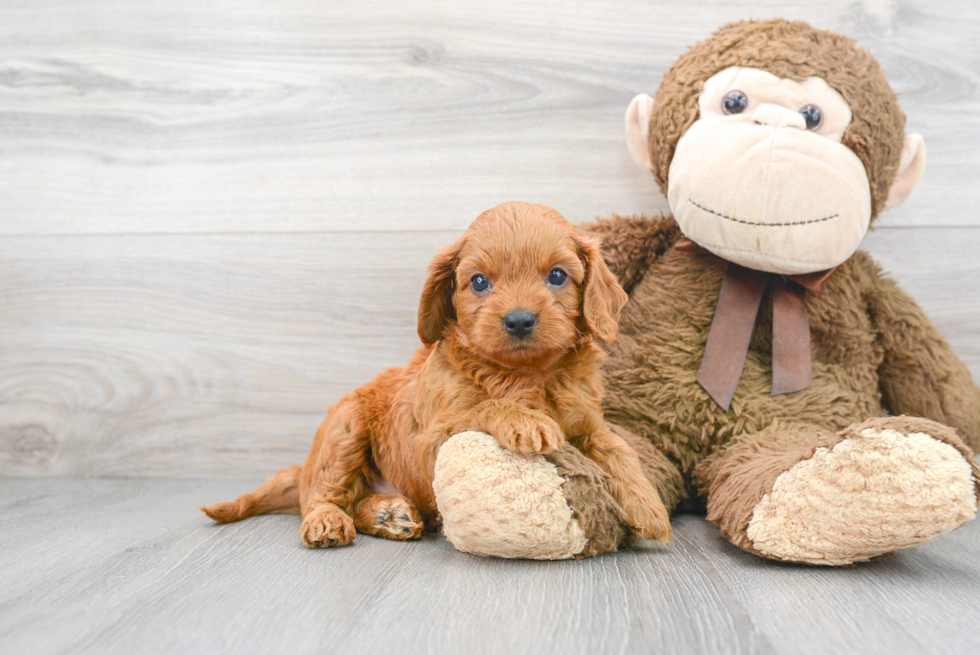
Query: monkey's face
762 178
780 167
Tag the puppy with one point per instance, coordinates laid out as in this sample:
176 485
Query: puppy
509 315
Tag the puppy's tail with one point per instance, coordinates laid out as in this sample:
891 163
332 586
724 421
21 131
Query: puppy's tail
277 495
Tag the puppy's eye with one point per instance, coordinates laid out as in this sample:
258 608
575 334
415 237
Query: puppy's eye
479 283
557 277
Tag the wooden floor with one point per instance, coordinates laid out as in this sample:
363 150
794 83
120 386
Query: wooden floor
128 566
215 220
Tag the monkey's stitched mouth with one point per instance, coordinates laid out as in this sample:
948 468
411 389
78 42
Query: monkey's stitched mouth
739 220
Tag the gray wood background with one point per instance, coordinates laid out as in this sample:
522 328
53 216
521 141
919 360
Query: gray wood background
215 217
214 220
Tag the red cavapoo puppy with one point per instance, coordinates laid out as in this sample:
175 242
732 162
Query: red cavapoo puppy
509 315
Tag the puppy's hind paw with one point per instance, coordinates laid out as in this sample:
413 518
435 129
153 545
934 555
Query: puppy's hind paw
326 526
389 516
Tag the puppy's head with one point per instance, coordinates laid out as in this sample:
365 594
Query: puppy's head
521 288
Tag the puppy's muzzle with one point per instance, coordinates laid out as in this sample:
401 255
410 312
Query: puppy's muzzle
520 323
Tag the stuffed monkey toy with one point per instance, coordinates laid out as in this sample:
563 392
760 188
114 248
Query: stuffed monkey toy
765 368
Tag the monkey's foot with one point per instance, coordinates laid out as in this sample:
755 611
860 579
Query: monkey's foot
884 487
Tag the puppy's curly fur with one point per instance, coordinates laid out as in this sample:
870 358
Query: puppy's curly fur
532 391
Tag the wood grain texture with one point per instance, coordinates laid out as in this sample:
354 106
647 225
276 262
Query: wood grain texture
129 566
309 116
218 355
184 353
215 222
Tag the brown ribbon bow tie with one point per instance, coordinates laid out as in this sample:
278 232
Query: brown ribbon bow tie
734 320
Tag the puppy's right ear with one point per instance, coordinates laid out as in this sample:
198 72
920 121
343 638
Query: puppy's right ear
436 304
603 298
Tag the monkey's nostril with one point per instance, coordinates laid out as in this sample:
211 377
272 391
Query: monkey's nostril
520 323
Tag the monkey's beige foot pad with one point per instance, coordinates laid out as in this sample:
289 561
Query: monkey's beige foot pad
497 503
873 493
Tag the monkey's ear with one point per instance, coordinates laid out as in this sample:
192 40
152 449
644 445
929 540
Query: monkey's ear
602 298
436 304
638 129
910 169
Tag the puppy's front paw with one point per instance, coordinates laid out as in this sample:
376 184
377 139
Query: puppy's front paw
530 434
325 526
648 516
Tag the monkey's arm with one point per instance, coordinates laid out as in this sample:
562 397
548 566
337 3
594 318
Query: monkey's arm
921 374
630 244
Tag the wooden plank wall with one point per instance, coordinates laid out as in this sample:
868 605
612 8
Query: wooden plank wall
215 218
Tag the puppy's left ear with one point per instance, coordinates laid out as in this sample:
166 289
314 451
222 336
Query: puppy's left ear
436 304
602 298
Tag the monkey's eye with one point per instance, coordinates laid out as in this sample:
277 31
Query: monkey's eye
813 116
557 277
735 102
479 283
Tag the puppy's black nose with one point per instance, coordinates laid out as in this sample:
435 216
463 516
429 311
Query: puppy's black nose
520 323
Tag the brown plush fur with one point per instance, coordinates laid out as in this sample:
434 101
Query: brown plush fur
874 353
532 395
794 51
586 491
